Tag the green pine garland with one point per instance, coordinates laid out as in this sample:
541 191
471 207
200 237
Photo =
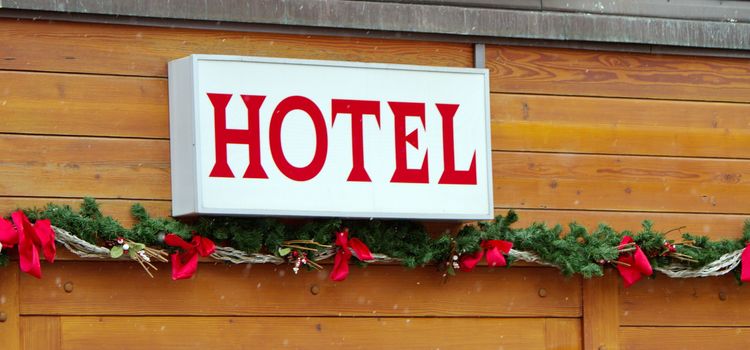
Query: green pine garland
577 252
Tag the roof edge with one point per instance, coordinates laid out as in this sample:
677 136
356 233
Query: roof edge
422 18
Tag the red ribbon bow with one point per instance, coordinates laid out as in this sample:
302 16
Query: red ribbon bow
637 264
494 248
30 240
341 262
185 264
745 273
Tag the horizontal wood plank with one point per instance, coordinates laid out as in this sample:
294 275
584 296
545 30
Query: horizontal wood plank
123 288
620 126
660 141
599 111
617 74
81 333
48 166
684 338
145 51
716 301
118 209
596 182
65 104
715 226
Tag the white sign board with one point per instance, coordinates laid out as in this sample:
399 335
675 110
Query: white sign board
264 136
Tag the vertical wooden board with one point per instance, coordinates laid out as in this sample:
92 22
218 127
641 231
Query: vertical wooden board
42 333
145 51
628 183
601 318
266 290
619 74
684 338
217 333
10 327
51 166
712 225
715 301
65 104
563 334
118 209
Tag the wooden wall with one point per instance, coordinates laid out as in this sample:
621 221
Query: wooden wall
618 138
577 135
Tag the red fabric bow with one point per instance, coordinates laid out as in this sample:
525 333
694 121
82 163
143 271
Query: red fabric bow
341 261
745 273
494 248
185 264
637 264
30 240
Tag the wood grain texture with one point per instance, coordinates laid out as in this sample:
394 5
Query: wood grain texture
82 333
47 166
684 338
563 334
65 104
41 333
659 141
275 291
67 165
73 167
717 301
118 209
620 126
617 74
145 51
601 111
600 314
715 226
596 182
10 328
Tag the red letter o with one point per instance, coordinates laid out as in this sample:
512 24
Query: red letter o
321 138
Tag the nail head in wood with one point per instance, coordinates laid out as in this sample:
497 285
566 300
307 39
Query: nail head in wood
68 287
722 296
542 292
3 316
315 290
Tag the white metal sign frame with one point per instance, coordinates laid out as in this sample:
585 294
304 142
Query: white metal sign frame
192 135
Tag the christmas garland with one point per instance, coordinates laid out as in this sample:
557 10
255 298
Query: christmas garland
88 233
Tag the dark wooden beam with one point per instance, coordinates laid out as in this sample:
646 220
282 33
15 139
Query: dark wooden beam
401 17
708 10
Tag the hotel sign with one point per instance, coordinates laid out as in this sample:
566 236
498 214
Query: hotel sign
264 136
